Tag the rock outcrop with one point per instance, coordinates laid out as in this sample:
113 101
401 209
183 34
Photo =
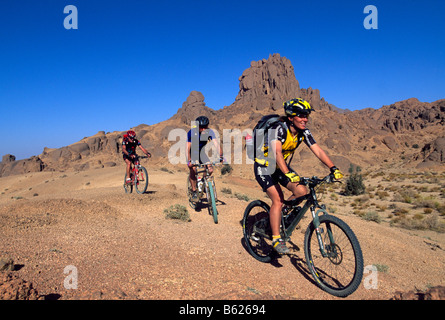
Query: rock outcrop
267 83
408 130
193 107
9 167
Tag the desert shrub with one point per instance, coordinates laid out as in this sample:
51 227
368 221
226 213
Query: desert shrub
400 211
372 216
241 196
178 212
431 222
226 169
418 216
332 209
382 268
382 194
406 195
426 203
354 183
441 210
359 213
226 190
166 170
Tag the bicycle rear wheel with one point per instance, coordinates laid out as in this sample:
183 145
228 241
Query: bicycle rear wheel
340 272
211 202
257 232
142 180
128 187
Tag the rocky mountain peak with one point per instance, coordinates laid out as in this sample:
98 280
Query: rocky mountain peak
270 82
410 131
267 83
193 107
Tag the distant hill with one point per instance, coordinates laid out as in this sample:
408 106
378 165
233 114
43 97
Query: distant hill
408 133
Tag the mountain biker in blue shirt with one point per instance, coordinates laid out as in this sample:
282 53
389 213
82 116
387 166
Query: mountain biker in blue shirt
201 135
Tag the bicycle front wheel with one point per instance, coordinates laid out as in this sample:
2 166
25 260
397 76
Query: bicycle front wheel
128 187
339 270
257 232
212 202
142 180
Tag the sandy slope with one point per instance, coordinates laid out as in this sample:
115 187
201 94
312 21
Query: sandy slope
124 248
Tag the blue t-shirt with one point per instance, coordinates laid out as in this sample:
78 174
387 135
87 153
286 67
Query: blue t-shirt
202 138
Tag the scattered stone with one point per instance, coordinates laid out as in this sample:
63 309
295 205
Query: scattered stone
434 293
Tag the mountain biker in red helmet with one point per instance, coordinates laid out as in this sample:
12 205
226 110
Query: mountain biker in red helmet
129 144
283 143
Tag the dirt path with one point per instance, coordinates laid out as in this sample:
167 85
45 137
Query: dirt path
123 247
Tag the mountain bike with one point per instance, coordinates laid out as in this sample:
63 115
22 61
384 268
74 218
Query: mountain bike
138 176
205 188
332 251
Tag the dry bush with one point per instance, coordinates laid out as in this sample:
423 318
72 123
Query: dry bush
177 212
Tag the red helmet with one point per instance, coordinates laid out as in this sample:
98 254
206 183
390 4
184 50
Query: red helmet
131 134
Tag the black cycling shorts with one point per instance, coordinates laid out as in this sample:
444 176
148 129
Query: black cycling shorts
125 157
266 180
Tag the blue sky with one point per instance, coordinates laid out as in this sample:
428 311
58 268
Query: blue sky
135 61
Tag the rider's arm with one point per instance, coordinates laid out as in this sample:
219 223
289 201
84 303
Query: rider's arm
124 149
320 154
277 149
145 151
188 155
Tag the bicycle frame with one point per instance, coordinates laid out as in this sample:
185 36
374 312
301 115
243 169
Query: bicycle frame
320 237
310 204
136 170
208 186
136 164
203 168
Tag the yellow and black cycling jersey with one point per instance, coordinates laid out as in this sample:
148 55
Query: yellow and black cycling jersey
289 142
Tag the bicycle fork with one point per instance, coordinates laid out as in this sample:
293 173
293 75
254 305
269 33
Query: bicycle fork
319 230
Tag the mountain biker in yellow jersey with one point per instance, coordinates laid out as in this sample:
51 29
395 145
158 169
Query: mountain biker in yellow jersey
283 144
197 139
129 144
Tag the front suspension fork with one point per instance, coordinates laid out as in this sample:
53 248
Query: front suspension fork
319 231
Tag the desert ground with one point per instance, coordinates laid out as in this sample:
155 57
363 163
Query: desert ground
123 247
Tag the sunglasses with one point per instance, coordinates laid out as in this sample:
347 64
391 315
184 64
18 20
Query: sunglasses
302 116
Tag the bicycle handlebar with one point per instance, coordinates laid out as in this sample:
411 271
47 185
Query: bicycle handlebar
312 182
206 164
316 181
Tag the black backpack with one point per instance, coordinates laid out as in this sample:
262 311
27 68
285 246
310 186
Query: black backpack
260 135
